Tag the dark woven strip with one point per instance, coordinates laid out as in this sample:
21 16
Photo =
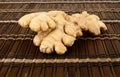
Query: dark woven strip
61 2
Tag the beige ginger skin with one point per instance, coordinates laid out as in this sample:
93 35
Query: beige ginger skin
56 29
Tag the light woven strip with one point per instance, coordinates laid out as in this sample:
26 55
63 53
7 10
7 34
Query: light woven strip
15 21
82 38
74 60
67 11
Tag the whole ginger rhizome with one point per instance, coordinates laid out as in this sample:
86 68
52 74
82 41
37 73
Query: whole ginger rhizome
56 29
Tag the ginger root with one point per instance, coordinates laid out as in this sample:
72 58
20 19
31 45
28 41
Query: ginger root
90 23
56 29
40 21
57 39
